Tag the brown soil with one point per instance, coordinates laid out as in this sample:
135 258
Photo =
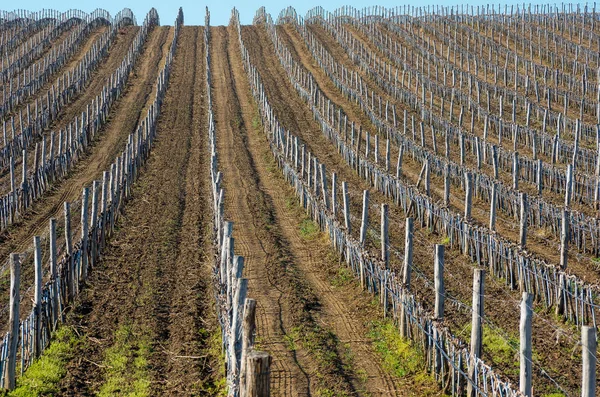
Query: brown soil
156 273
343 312
504 311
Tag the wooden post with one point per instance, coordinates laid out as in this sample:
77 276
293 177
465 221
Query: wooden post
84 233
516 171
427 177
539 177
569 183
525 345
94 222
37 298
406 273
346 207
476 328
495 161
365 218
248 332
334 194
13 190
104 211
589 347
53 273
408 252
385 240
69 248
258 376
438 267
564 239
447 185
523 220
13 321
493 198
468 196
399 162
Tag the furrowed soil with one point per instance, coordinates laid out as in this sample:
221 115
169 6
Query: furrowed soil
301 312
155 277
110 141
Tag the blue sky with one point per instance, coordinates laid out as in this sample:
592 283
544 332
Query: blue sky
220 10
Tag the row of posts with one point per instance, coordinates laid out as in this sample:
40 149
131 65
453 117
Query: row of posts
588 333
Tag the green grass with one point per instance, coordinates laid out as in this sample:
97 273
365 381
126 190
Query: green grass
343 277
43 376
402 359
309 230
399 357
126 363
502 348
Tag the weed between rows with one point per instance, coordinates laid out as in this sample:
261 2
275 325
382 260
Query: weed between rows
43 376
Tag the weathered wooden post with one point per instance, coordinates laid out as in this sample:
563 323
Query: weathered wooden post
258 374
385 240
524 212
493 198
24 187
346 198
104 211
468 196
525 344
516 171
564 239
94 222
427 177
476 326
69 248
568 186
37 298
334 194
440 291
14 206
447 185
248 332
54 273
495 161
365 218
84 233
399 162
406 272
589 349
13 321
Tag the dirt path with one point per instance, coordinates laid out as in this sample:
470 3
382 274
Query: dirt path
111 141
252 185
156 274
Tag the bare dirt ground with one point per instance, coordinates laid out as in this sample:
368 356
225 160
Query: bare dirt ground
281 260
156 274
503 310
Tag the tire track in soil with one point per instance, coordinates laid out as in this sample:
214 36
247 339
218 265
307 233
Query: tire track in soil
111 141
345 312
245 205
156 272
